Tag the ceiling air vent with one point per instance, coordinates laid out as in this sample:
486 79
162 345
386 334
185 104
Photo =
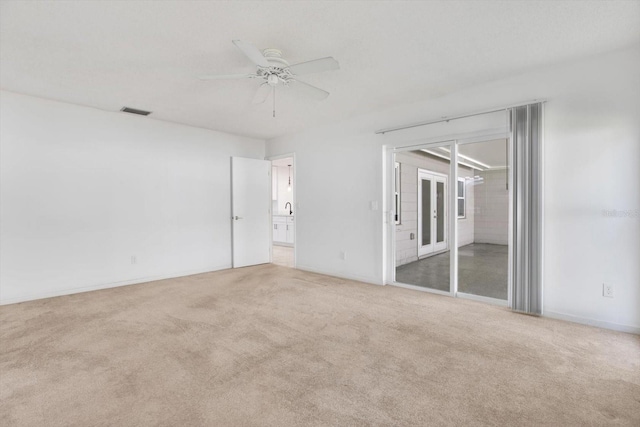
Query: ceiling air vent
135 111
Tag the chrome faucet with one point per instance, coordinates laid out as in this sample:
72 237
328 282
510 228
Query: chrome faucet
290 207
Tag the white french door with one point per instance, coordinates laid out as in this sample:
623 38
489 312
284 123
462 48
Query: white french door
432 212
250 211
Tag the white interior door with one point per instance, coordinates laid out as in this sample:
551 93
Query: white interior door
250 211
432 212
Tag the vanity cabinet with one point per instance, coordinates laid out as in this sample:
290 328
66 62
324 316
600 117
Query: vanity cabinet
283 230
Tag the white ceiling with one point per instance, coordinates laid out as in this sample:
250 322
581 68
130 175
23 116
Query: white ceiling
147 55
492 153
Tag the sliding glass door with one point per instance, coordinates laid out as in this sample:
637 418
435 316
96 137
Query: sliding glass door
455 213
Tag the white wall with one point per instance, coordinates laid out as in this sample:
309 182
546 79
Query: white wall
467 225
492 208
592 163
83 190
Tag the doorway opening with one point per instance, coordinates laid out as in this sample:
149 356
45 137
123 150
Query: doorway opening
282 211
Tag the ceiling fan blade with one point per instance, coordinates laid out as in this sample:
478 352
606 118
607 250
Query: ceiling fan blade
315 66
252 52
229 77
262 93
312 91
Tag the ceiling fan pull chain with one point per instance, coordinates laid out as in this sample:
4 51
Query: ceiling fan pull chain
274 101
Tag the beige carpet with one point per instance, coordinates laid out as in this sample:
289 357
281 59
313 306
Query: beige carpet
273 346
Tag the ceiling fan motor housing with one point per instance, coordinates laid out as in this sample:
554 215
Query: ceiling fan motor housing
276 72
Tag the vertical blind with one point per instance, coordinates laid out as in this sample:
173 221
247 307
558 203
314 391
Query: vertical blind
526 245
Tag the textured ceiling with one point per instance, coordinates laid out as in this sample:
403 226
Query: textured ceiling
148 54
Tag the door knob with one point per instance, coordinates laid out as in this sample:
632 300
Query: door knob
237 217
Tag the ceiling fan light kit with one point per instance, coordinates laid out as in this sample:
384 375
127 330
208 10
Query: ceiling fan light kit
273 70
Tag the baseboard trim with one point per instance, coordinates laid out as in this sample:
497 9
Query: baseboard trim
71 291
340 275
592 322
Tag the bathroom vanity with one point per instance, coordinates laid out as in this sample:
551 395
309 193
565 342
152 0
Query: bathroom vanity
283 230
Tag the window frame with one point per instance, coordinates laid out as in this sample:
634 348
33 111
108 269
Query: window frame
463 198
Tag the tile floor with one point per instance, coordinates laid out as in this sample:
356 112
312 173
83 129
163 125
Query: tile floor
283 255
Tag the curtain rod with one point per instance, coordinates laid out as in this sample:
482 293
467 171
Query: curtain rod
463 116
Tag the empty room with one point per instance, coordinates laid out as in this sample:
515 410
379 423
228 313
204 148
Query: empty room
319 213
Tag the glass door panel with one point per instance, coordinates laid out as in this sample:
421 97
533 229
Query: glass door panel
426 212
440 216
483 219
422 252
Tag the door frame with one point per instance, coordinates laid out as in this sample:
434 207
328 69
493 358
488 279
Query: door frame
295 205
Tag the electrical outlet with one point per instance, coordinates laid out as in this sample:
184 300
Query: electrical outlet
607 290
343 255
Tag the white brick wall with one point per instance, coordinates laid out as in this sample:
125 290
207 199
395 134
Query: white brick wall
492 208
407 249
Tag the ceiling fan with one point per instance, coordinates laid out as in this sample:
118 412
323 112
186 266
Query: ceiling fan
272 70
